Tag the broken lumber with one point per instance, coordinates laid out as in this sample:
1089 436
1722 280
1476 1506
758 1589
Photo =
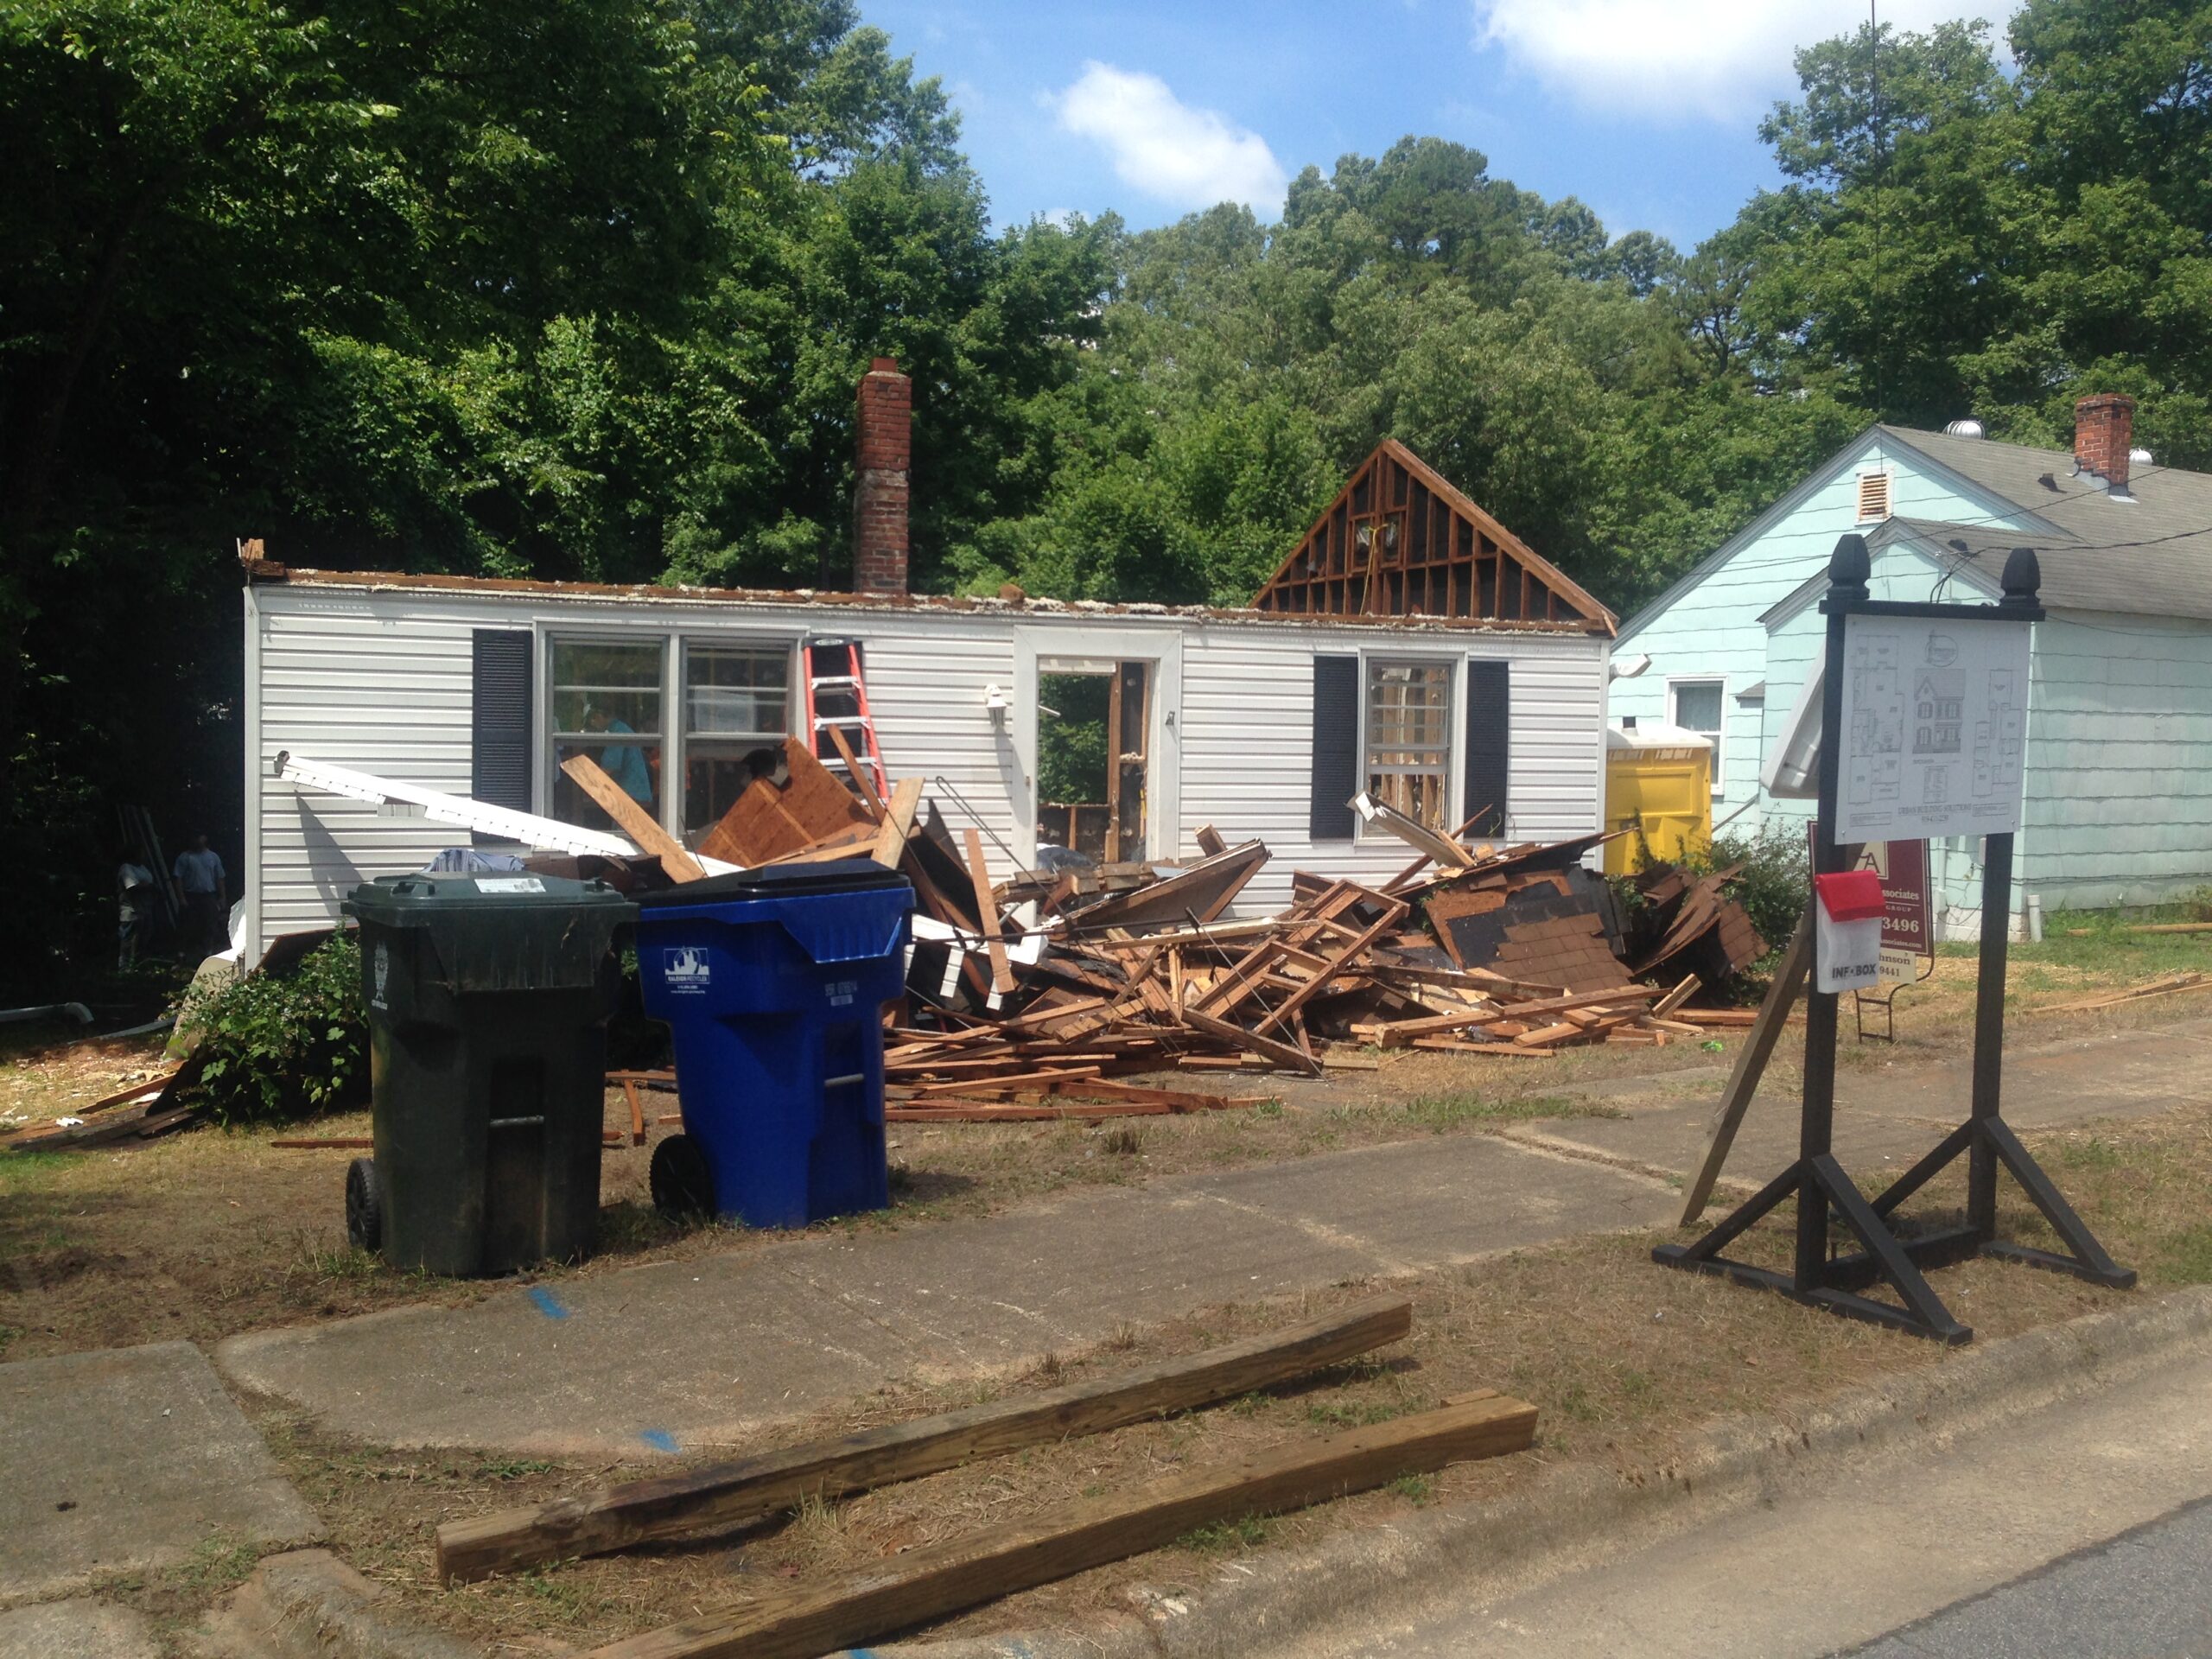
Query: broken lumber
632 819
979 874
806 1620
728 1494
898 823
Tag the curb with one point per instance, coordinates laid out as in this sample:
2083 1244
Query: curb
1572 1515
309 1605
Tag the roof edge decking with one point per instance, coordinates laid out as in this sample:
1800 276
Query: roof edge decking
1401 543
263 572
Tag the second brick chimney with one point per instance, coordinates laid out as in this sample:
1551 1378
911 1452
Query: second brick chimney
885 434
2104 430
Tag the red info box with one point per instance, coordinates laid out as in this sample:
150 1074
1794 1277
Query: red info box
1851 895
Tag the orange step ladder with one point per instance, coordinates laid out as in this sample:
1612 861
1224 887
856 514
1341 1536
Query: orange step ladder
837 701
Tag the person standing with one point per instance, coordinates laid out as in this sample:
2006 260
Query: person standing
206 897
134 904
624 762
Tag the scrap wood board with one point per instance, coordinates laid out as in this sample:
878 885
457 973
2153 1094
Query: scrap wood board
725 1495
804 1621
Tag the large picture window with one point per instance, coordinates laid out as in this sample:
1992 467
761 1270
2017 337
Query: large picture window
1409 739
606 704
736 712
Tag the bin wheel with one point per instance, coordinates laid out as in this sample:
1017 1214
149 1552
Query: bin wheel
364 1214
683 1185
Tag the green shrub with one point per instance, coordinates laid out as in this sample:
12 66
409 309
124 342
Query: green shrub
281 1047
1777 881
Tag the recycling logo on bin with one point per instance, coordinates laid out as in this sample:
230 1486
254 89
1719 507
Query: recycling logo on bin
382 968
685 968
841 992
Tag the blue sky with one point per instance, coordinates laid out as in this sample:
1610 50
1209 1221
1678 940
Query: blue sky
1647 110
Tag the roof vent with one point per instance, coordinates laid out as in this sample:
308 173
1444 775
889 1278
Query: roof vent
1965 429
2143 456
1874 497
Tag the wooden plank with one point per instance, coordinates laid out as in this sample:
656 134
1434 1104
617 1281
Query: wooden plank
728 1494
897 822
862 781
1457 1045
1209 841
1446 852
970 1085
637 1112
1675 999
632 819
803 1621
1750 1064
1325 975
979 874
1296 1059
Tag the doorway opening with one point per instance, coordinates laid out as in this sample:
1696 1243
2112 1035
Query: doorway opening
1093 727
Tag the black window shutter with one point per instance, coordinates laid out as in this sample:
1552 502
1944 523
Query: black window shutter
1336 747
1489 731
498 771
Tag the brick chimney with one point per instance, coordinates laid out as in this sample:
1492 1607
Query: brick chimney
2104 429
886 433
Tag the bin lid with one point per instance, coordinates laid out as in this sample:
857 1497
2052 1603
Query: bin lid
777 881
414 900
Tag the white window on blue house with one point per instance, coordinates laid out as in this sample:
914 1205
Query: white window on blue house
1697 707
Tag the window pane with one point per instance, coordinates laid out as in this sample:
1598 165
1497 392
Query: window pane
1409 737
634 763
1697 706
715 773
737 690
599 687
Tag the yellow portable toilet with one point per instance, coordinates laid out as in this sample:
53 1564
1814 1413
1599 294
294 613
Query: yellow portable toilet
1658 782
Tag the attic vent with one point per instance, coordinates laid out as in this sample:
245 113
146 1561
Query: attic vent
1874 497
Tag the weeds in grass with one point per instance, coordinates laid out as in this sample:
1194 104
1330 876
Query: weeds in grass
1267 1108
2095 1153
561 1596
1365 1414
1247 1405
2189 1258
1122 1141
217 1562
1442 1112
1414 1489
1245 1532
512 1468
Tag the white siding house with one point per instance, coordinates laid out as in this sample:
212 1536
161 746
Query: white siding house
379 673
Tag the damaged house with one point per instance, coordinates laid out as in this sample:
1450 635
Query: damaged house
1410 647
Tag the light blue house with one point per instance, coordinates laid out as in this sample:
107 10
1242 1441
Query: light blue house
2118 770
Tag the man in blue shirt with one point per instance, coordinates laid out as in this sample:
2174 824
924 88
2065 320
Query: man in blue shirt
624 762
198 870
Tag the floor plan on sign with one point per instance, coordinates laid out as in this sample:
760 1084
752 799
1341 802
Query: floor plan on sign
1934 727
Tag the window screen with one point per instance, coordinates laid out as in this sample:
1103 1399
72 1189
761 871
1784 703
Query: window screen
1409 738
606 704
736 712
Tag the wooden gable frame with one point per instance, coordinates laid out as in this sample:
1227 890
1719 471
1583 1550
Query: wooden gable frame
1401 540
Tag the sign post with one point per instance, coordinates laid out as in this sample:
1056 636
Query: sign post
1922 726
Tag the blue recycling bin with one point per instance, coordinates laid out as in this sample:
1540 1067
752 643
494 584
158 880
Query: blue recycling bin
773 983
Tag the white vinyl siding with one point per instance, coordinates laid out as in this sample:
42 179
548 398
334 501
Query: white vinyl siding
379 679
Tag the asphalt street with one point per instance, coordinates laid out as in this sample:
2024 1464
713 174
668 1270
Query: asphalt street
2142 1595
2080 1530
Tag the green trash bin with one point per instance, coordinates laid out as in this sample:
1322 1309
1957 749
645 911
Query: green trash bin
488 998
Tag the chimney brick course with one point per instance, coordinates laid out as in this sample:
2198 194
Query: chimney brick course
885 440
2104 431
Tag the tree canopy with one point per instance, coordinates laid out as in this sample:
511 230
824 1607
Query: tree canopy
582 287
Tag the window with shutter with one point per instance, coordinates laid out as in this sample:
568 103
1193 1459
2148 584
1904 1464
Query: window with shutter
1336 747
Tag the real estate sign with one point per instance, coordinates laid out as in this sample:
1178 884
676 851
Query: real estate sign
1935 728
1908 907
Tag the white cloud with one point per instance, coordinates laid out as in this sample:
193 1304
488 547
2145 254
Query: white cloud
1722 60
1187 158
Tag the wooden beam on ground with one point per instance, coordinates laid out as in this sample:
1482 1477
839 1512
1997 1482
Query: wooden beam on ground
1750 1064
728 1494
897 822
632 819
979 874
803 1621
1675 999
